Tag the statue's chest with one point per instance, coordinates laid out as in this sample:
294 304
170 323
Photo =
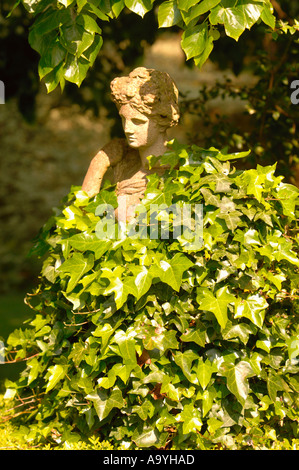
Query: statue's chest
129 194
131 182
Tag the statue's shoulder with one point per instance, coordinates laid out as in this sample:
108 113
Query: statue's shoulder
115 146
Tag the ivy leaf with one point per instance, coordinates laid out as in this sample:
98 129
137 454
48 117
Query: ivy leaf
196 335
35 369
204 372
217 305
57 373
191 418
121 288
293 346
184 361
241 330
78 352
289 197
148 437
161 339
231 219
143 279
103 403
126 347
236 376
76 267
275 383
253 307
171 271
90 242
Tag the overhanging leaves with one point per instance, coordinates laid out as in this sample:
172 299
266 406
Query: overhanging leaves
78 31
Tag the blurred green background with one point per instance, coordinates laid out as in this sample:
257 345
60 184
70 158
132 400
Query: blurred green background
239 100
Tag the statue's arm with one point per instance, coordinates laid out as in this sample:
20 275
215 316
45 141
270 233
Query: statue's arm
107 157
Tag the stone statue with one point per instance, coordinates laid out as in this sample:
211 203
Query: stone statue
147 101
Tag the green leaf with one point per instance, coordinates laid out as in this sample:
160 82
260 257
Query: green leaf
213 425
289 197
75 69
186 4
160 339
126 347
236 18
89 242
88 23
171 271
208 397
232 219
241 330
198 9
99 13
103 403
35 369
275 383
49 21
217 305
76 267
191 418
253 307
168 14
293 347
267 16
145 410
184 361
91 53
195 335
203 57
205 5
237 383
204 372
143 279
52 57
121 288
232 156
104 332
194 40
117 7
140 7
148 437
57 373
77 353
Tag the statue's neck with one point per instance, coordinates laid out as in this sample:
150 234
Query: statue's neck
157 148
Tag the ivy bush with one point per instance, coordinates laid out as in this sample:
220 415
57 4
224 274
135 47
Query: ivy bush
158 343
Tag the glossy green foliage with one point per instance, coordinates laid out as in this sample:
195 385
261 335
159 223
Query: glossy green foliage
153 342
68 36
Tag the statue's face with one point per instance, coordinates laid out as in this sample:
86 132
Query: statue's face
141 131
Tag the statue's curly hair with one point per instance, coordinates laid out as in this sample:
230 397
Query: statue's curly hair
151 92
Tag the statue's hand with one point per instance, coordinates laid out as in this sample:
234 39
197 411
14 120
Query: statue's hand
113 152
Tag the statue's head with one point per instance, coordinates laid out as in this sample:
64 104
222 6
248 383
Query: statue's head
151 93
